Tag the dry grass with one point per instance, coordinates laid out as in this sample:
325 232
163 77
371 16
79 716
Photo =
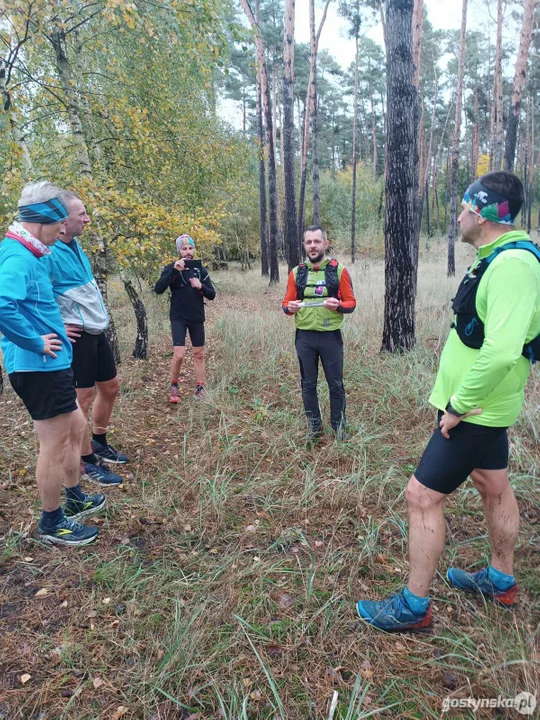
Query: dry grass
223 584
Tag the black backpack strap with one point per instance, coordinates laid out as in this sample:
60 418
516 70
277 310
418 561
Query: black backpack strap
301 280
331 277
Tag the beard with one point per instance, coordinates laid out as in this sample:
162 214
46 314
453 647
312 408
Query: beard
317 259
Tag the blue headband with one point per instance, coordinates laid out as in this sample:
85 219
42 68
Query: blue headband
44 213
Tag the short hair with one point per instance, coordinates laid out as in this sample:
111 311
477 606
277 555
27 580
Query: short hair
38 192
68 195
509 186
314 228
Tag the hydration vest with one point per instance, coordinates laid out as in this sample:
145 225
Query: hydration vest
468 325
331 281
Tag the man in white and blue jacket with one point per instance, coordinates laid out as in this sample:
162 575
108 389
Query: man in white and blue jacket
37 358
86 320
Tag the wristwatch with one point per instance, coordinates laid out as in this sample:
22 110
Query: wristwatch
449 409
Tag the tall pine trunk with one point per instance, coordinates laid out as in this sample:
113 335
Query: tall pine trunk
355 148
314 135
452 232
307 117
272 179
519 83
401 226
475 150
291 232
265 268
495 140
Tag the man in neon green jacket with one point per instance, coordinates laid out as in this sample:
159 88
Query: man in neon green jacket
479 392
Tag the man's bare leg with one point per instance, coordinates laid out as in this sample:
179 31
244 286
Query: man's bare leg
54 442
179 352
502 516
107 392
426 535
198 364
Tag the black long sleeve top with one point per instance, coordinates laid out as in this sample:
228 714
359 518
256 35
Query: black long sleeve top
187 303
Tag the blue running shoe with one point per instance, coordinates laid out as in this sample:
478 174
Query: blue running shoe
108 453
479 583
100 474
394 615
91 504
67 532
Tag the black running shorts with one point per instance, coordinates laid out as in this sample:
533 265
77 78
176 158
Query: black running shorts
179 329
446 464
93 360
45 394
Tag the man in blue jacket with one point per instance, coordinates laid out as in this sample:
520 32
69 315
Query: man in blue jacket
86 319
37 357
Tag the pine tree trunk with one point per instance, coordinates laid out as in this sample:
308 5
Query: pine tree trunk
496 107
475 152
307 117
265 269
401 226
140 351
314 136
452 232
418 17
519 83
272 180
354 152
373 133
291 232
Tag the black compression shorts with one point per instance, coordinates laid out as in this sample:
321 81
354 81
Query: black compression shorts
45 394
93 360
179 329
446 464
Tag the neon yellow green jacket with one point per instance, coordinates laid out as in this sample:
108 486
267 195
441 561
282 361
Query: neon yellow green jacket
494 377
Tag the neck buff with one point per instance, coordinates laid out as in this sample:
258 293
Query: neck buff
44 213
182 240
36 247
491 205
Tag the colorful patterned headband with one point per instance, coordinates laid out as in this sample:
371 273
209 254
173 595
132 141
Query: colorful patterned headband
184 240
489 204
44 213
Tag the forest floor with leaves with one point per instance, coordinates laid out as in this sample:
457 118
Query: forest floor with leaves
224 581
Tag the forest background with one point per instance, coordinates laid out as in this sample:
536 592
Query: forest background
224 580
126 103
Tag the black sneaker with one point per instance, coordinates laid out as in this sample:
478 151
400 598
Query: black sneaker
67 532
341 434
100 474
80 508
108 453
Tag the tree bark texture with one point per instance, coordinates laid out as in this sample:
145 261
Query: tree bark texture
314 137
495 140
265 268
475 152
272 179
291 231
418 17
401 226
452 231
307 117
519 83
140 351
355 149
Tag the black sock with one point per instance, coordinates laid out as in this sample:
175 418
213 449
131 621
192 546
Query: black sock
74 493
90 459
51 519
101 438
